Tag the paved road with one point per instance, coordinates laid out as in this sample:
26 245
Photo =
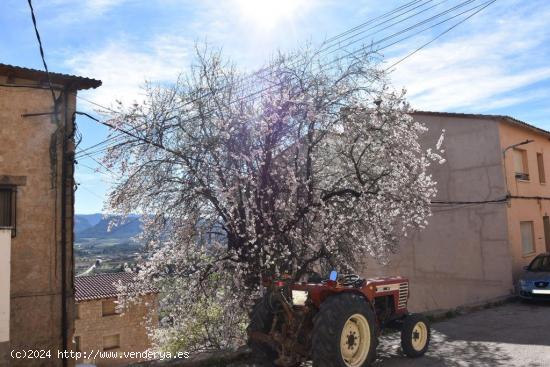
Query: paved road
513 334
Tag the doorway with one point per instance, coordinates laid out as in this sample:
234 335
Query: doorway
546 222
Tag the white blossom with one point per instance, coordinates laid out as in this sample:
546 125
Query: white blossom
321 169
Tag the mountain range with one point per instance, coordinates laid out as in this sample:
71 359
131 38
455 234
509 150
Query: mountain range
97 226
98 249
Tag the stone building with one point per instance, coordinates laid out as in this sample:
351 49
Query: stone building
100 326
492 217
36 212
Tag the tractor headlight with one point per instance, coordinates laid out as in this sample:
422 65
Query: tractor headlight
299 298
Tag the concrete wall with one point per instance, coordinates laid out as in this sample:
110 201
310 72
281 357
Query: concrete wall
36 268
463 256
91 327
526 209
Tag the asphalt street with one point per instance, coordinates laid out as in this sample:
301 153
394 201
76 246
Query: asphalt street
513 334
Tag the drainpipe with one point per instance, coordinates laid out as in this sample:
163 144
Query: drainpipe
64 318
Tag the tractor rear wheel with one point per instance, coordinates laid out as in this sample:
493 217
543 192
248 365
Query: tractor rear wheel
415 335
344 332
261 319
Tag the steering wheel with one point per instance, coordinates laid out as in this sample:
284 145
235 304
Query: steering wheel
350 279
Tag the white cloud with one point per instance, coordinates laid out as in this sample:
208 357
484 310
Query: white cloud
125 63
476 67
124 66
481 70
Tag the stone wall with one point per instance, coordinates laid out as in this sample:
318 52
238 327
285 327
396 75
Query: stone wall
91 327
30 153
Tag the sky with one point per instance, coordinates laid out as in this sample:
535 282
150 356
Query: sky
497 62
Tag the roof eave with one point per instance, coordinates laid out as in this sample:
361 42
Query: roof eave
504 118
70 81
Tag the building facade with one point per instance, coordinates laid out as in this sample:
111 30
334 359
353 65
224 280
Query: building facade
526 154
100 326
36 209
490 217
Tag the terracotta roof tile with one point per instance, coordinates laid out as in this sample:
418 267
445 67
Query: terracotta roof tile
75 81
100 285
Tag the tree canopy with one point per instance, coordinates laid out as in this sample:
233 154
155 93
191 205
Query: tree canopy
303 165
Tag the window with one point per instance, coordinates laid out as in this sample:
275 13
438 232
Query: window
540 163
77 343
520 164
7 207
111 342
541 263
77 311
527 237
108 307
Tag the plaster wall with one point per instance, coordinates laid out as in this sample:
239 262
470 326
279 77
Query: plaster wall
528 208
462 257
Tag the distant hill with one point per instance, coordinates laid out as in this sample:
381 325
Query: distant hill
80 223
85 221
96 226
98 250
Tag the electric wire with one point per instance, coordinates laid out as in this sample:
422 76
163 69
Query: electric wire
439 35
42 55
483 6
326 47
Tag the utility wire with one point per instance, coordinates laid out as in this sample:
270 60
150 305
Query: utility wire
43 56
355 39
416 25
373 19
325 46
483 6
95 103
439 35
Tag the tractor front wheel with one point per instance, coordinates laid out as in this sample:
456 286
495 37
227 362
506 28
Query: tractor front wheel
415 335
344 332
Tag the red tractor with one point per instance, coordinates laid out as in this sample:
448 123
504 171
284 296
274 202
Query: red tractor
334 322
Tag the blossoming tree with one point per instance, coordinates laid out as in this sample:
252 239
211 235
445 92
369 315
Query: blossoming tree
304 165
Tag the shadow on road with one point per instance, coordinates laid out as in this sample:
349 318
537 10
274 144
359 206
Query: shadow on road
442 353
515 334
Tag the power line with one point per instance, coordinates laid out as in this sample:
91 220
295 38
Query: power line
95 103
373 19
104 166
439 35
326 45
425 21
79 185
42 55
362 49
493 201
387 27
432 202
